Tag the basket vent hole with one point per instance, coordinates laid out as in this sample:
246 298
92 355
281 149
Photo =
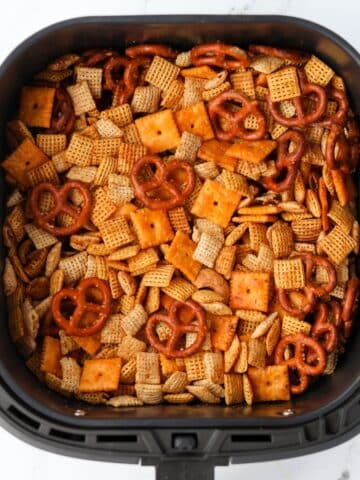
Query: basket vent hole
117 438
237 438
23 418
74 437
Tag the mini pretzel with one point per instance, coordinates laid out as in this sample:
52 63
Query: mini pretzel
96 56
293 56
78 296
286 161
150 50
337 149
218 111
323 331
161 180
132 77
219 55
46 221
349 304
339 117
303 347
302 118
284 300
63 116
179 329
111 66
310 262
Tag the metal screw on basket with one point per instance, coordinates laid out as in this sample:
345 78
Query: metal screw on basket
79 413
287 412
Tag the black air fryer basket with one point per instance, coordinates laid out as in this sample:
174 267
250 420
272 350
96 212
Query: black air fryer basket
183 441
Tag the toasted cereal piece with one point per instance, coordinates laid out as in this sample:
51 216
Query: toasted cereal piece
93 77
183 59
158 131
71 372
127 283
120 115
188 147
273 336
176 383
128 371
50 356
9 278
16 324
203 394
67 344
283 84
341 216
74 267
263 327
231 355
223 328
289 274
51 144
233 385
100 375
225 261
291 325
217 308
178 220
318 72
124 401
152 227
172 95
17 220
281 240
206 170
257 352
216 203
107 166
149 394
81 97
194 365
214 388
254 151
107 128
15 198
91 344
241 364
207 250
56 281
179 398
161 73
194 119
331 362
210 93
128 155
116 232
112 332
250 290
53 259
193 90
159 276
143 260
307 229
270 384
146 99
244 82
214 151
266 64
33 364
129 346
36 104
169 365
131 134
39 237
83 174
207 226
26 157
134 320
179 289
80 150
147 368
101 268
247 390
337 245
103 208
16 132
54 383
45 172
152 300
125 253
214 366
105 147
30 318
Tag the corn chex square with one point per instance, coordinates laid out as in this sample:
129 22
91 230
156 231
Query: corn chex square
81 97
283 84
116 232
161 73
289 273
318 72
337 245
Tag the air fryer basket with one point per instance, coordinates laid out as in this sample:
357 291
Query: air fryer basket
173 436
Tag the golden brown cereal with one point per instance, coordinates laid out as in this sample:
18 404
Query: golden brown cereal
283 84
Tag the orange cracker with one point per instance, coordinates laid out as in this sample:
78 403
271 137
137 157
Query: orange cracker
100 375
50 356
216 203
254 151
158 131
223 328
194 119
270 383
36 104
180 255
90 344
26 157
250 290
199 72
152 227
214 151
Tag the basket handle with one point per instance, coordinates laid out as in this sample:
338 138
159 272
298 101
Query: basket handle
185 470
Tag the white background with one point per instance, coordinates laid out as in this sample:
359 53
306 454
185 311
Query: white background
21 18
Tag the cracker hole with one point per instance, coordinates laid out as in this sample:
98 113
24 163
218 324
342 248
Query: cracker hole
192 125
159 132
216 203
35 106
152 225
248 290
27 163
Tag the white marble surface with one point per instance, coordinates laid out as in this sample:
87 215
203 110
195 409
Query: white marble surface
20 18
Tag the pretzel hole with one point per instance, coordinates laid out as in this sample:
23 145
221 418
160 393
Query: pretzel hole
94 295
67 307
